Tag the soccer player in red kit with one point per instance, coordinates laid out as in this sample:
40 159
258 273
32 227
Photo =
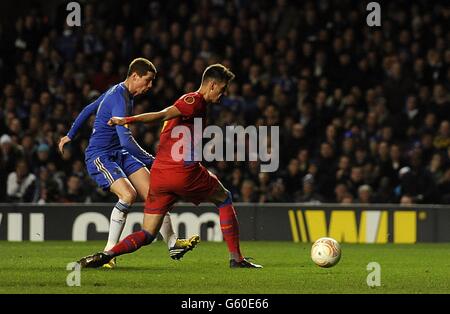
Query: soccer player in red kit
172 179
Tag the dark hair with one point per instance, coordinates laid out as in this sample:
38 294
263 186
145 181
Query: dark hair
217 72
140 66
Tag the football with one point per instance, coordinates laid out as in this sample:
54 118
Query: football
326 252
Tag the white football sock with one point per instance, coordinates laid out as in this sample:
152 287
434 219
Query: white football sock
117 223
167 232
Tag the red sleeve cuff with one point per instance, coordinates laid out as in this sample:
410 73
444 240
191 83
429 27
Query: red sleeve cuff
129 120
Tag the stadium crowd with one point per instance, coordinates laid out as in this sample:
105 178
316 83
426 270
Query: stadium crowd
363 111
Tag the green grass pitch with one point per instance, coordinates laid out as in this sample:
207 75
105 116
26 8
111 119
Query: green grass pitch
27 267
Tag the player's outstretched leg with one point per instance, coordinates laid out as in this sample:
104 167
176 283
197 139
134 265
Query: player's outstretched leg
230 229
131 243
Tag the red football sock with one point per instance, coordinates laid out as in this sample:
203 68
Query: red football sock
230 229
132 243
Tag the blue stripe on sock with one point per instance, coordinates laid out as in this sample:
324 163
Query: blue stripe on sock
125 208
227 201
128 243
148 237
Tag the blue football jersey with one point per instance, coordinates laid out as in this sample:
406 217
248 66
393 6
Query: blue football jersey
116 101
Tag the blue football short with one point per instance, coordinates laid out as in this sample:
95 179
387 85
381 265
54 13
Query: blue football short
106 168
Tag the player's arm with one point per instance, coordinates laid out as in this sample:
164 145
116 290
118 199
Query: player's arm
126 139
79 121
128 142
164 115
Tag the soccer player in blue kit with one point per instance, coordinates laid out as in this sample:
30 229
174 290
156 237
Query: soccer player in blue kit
116 162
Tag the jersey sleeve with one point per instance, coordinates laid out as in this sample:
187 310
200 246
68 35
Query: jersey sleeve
189 106
84 115
126 139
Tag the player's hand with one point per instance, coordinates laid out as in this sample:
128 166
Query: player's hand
116 121
63 141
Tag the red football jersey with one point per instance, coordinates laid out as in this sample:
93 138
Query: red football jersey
191 106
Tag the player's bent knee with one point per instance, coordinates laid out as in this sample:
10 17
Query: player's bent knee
129 195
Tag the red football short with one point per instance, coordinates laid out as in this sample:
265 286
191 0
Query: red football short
170 185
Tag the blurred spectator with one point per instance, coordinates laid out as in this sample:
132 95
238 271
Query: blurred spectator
364 194
436 167
21 184
296 140
356 180
277 193
406 200
292 177
386 192
105 78
74 191
418 184
248 194
47 189
341 191
326 170
308 194
41 157
264 185
442 139
444 187
347 199
234 183
9 153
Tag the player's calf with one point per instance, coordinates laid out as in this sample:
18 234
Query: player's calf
131 243
230 226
